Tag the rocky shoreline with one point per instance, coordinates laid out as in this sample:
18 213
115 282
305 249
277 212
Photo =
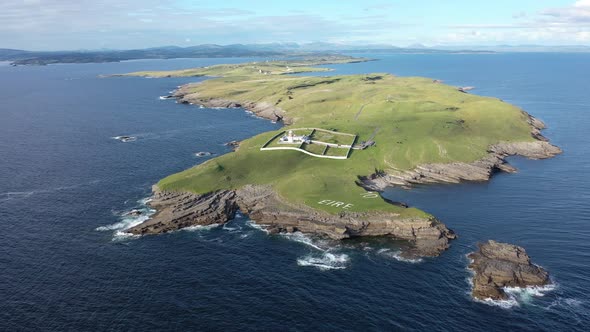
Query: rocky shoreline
262 109
479 170
499 265
177 210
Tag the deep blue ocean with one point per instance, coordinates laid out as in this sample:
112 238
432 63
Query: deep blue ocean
65 183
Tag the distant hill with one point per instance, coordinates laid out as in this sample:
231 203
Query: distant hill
22 57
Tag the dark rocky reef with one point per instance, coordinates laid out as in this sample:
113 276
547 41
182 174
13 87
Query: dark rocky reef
177 210
498 265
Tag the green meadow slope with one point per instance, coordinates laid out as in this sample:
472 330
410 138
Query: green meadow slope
413 121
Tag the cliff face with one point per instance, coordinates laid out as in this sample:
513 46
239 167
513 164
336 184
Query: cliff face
261 109
428 237
479 170
497 265
177 210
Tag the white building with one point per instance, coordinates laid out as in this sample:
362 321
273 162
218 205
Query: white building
291 138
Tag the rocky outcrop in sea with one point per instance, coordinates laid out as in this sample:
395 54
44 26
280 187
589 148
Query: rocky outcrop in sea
498 265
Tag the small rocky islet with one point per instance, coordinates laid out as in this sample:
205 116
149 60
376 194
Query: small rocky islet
498 265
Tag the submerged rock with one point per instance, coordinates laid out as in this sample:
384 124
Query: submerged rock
203 154
498 265
176 210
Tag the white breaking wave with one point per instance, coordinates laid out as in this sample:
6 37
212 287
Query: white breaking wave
504 304
526 294
125 223
128 221
301 238
200 227
516 295
254 225
397 255
122 235
231 229
327 261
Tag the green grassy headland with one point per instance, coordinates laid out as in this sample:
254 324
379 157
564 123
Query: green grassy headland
413 121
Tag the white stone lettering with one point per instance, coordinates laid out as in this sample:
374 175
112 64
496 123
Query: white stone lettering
370 194
329 202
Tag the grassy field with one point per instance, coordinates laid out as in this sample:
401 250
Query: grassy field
332 137
414 121
314 148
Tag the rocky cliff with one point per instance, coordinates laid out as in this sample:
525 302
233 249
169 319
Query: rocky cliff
479 170
176 210
498 265
265 110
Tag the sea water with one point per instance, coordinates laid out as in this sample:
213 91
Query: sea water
65 186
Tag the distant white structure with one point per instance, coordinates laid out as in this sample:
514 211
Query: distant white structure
291 138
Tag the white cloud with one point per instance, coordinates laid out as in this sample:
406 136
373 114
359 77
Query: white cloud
578 13
561 25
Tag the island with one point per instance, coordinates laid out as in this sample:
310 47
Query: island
345 139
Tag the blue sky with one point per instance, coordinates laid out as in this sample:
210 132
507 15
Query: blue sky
85 24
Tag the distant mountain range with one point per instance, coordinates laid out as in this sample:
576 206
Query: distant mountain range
22 57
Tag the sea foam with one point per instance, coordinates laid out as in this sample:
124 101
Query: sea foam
254 225
326 261
301 238
397 255
516 295
128 221
200 227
